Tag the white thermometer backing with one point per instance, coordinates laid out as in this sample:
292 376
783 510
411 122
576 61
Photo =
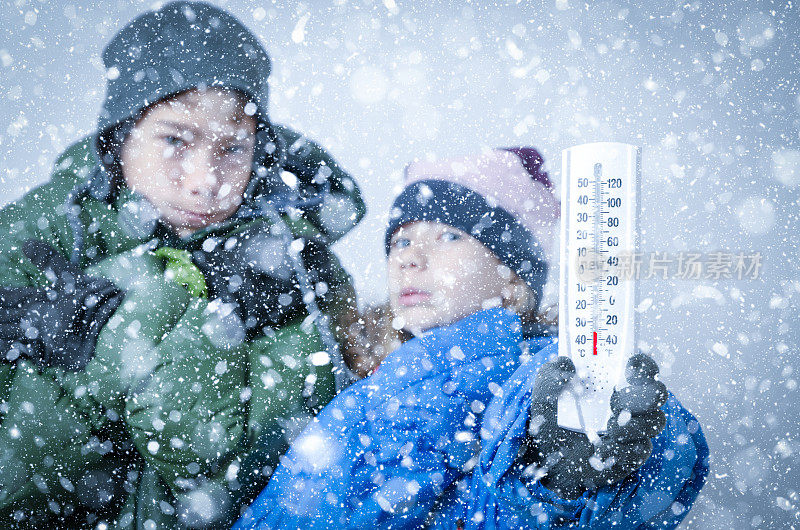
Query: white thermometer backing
599 239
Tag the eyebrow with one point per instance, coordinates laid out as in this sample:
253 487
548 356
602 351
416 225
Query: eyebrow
197 133
178 126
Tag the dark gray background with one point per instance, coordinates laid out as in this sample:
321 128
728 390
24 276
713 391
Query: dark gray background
708 89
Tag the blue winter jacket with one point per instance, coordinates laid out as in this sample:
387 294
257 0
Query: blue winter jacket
382 452
497 495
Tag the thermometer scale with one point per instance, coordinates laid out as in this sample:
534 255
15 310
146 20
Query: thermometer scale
599 236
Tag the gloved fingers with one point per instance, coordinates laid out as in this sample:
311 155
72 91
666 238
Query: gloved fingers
14 315
569 464
11 350
10 331
12 296
627 458
98 284
540 421
561 450
565 487
639 398
73 357
647 425
15 297
551 379
46 258
640 367
102 312
543 428
94 308
108 290
99 293
566 465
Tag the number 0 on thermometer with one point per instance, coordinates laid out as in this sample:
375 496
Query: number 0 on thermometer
599 239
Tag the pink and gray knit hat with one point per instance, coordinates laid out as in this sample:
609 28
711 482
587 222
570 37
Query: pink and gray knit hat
503 198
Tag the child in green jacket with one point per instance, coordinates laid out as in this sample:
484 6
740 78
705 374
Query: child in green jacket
165 296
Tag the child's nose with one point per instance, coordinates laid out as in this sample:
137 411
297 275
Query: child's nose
199 175
413 257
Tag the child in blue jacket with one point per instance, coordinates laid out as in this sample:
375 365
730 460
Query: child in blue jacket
468 243
505 492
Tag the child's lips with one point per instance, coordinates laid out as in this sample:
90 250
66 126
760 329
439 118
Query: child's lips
411 296
194 216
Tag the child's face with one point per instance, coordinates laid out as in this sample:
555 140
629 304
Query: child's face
191 158
439 274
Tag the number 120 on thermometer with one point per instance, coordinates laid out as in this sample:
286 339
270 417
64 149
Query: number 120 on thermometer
599 238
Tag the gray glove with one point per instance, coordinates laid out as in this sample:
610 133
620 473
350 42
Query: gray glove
572 463
252 271
57 325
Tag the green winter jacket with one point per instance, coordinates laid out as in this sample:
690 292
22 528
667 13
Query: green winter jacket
174 422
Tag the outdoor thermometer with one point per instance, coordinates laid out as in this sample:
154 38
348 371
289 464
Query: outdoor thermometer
597 321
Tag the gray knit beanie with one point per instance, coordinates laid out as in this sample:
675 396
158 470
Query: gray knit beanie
183 45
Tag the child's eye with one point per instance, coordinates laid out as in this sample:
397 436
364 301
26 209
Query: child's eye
401 242
174 141
449 236
233 149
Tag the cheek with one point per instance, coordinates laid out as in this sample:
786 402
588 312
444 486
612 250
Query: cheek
473 275
139 175
393 276
446 279
472 269
234 166
479 282
148 169
239 185
235 180
229 197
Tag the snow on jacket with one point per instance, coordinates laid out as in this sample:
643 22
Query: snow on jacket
498 495
383 450
167 409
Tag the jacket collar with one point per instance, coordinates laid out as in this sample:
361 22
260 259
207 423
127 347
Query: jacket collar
487 333
139 220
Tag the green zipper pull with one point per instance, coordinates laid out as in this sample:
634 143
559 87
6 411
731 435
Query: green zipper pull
180 267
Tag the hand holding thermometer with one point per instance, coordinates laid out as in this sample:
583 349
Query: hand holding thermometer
597 321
